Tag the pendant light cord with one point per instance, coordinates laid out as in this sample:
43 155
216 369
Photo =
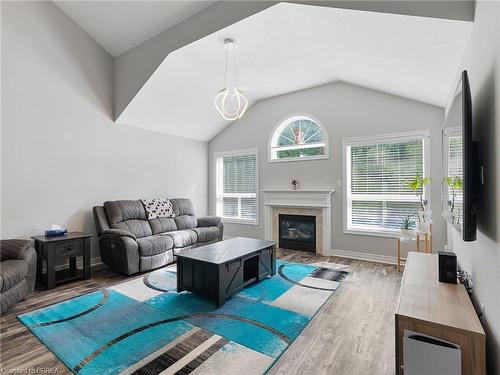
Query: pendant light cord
225 70
234 66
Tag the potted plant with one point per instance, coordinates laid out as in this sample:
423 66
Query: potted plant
455 184
407 227
417 185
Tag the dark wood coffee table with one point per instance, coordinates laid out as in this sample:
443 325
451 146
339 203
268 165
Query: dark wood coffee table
219 270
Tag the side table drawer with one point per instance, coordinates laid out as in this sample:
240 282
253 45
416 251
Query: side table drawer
69 249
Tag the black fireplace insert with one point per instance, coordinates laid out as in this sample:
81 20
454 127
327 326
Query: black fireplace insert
297 232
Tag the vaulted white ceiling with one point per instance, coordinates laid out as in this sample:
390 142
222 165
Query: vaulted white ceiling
121 25
289 47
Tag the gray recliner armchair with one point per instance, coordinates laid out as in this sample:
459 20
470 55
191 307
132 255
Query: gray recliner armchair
17 271
130 243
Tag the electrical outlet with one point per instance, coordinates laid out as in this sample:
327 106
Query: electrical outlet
339 183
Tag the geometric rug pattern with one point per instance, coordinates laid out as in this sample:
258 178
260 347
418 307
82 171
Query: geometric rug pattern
143 326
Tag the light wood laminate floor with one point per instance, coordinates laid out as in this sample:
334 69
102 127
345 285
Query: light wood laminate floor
353 334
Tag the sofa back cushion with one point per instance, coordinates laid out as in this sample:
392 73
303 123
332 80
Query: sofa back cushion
162 225
184 213
128 215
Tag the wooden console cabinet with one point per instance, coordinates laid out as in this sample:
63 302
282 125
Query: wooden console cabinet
437 309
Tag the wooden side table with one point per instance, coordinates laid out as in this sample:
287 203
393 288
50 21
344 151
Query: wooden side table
427 239
68 247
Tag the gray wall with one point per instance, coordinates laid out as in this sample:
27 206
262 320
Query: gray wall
346 111
61 151
482 257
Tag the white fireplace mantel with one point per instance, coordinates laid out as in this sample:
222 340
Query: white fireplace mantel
315 199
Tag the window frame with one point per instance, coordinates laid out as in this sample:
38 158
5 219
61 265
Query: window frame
346 161
219 183
448 133
278 128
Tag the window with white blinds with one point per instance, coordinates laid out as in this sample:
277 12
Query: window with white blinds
376 172
236 185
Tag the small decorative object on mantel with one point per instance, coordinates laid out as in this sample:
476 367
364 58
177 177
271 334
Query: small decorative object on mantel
295 184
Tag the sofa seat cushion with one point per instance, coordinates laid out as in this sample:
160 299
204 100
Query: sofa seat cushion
13 272
155 261
182 238
153 245
178 250
206 234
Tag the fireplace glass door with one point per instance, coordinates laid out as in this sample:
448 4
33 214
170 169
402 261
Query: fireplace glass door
297 232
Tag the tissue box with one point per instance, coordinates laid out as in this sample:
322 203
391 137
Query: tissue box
56 232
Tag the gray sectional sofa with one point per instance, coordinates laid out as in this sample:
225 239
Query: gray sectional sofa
17 271
130 243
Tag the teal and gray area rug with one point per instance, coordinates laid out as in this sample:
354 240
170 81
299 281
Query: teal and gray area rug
143 326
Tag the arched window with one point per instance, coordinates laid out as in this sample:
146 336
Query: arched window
298 137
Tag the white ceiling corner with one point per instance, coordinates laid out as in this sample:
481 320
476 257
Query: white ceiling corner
121 25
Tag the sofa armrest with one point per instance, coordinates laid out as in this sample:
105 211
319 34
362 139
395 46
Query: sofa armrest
212 221
118 232
21 250
121 253
209 221
15 249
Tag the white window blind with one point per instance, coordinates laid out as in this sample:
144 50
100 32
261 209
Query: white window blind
236 190
376 173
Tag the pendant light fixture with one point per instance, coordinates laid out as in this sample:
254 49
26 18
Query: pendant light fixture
230 102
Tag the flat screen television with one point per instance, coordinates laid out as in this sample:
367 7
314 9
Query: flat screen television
470 165
461 162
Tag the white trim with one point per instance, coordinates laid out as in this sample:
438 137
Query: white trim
282 124
300 146
366 140
386 259
400 136
232 220
218 182
371 232
308 158
298 191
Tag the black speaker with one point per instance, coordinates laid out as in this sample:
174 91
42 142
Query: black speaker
447 267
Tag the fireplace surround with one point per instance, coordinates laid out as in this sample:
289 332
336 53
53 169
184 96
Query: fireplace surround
317 203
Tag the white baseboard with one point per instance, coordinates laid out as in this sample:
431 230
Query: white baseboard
387 259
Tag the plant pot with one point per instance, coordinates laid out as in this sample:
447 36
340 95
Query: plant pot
455 217
425 215
428 215
423 226
407 233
